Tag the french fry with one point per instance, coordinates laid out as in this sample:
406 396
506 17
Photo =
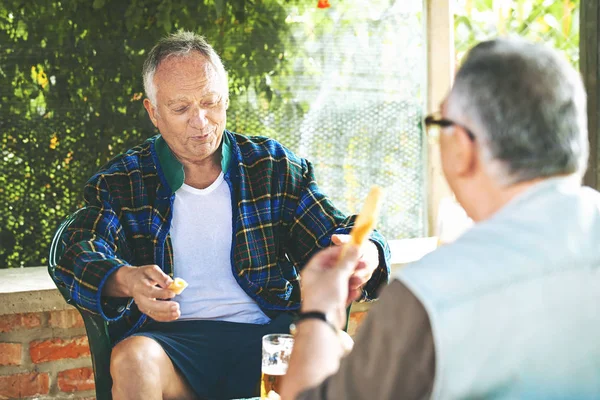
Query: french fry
365 221
178 285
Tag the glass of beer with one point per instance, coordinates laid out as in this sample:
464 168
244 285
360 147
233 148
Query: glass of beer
276 352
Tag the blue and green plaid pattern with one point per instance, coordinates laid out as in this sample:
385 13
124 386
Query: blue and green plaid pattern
280 220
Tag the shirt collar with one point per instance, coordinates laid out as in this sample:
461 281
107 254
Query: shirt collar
173 169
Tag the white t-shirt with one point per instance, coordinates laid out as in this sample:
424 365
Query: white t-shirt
201 234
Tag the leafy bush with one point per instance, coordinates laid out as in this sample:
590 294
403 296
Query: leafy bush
71 93
553 22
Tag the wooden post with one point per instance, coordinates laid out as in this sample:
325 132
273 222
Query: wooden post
589 35
440 72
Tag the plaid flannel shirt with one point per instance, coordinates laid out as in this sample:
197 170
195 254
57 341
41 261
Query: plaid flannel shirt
280 220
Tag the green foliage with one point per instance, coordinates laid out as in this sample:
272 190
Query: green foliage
553 22
71 93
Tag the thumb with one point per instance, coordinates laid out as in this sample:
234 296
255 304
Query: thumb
349 257
340 239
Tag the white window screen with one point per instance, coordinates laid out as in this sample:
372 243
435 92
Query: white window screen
358 88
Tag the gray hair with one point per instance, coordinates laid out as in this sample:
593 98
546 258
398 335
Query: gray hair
180 44
527 108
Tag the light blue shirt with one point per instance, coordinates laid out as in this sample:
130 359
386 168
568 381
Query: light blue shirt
514 303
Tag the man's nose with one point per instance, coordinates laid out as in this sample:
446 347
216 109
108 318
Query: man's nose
199 118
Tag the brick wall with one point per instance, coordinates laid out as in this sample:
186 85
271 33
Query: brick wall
45 355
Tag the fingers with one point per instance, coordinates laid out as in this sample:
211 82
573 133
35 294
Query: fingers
349 257
360 276
344 257
353 294
155 274
149 292
155 292
147 287
368 251
355 282
324 258
361 265
340 239
162 311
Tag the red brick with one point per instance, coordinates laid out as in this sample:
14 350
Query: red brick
356 318
57 349
24 385
10 354
75 380
10 322
65 319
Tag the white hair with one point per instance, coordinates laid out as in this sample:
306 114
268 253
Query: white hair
180 44
527 108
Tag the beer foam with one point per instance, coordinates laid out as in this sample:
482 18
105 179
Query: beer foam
274 370
285 344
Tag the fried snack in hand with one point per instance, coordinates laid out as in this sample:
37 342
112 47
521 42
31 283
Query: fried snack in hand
365 222
178 285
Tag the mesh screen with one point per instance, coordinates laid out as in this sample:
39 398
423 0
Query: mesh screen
356 114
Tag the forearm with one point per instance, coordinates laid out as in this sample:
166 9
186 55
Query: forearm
317 353
94 250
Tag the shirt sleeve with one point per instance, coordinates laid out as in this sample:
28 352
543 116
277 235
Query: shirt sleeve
393 356
95 247
316 219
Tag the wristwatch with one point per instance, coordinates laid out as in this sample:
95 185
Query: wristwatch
311 315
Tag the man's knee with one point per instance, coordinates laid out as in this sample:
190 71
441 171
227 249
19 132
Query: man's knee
138 356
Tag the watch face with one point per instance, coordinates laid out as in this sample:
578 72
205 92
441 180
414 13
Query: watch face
303 316
293 329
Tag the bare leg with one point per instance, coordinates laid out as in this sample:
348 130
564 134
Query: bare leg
141 369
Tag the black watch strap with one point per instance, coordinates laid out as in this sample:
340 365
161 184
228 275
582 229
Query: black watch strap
311 315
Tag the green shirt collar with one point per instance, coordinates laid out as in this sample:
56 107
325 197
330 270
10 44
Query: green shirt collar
173 169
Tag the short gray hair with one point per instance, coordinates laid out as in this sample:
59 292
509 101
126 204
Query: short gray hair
180 44
527 108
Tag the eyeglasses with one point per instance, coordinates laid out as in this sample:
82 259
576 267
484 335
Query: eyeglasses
437 120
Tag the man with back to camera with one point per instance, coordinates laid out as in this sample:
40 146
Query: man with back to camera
511 309
236 217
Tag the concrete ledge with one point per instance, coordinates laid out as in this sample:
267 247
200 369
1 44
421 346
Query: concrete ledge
24 290
15 280
405 251
34 301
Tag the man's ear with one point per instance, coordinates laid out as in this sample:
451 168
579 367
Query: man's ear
151 111
465 152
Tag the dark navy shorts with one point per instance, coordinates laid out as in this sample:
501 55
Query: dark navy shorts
220 360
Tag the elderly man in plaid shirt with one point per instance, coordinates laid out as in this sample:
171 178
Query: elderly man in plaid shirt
237 217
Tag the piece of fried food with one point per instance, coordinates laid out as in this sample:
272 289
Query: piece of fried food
365 222
178 285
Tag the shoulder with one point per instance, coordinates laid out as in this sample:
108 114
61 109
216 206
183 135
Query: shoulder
399 363
138 159
258 148
398 305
